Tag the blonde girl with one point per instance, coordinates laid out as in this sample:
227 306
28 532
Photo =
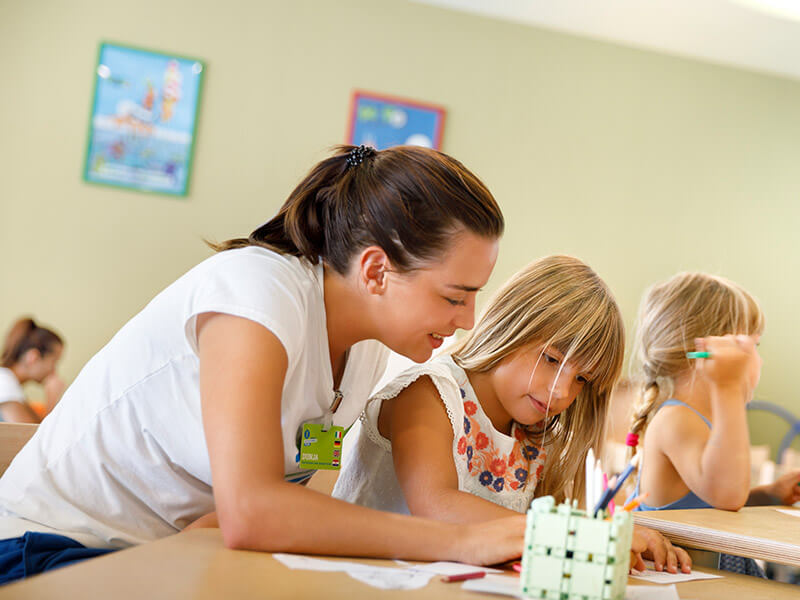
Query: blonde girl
696 453
509 415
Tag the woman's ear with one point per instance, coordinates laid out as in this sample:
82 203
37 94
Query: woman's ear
373 264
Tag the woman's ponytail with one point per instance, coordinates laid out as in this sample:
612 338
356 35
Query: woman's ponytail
408 200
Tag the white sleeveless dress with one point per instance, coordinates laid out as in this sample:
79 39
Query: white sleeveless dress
491 465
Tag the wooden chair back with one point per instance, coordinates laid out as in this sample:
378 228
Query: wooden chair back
13 436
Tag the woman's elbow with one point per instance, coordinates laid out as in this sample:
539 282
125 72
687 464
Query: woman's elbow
236 534
243 527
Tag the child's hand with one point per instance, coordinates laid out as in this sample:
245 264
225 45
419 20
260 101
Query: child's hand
53 390
650 544
786 489
733 359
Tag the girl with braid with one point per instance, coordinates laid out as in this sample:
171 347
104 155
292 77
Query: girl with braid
696 453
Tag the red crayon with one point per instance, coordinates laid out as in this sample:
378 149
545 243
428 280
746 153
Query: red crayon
464 576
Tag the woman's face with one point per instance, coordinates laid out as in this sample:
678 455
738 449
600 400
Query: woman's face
426 305
535 381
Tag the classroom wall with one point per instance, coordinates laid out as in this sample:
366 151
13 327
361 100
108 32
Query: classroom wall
642 164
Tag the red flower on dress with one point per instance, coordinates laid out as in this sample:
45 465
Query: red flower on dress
498 467
462 444
470 407
514 485
481 441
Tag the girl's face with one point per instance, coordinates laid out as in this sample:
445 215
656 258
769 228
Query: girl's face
424 306
532 378
41 367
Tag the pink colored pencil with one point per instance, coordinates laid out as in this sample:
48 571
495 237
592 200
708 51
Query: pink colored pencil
463 576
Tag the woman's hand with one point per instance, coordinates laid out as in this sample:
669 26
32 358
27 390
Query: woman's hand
505 537
650 544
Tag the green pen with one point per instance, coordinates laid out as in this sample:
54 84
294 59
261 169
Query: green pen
698 355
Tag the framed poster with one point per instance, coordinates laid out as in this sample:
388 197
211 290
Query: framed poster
383 121
143 120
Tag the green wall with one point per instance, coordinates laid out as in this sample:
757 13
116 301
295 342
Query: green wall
640 163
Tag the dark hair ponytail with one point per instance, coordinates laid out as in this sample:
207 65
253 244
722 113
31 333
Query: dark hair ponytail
25 335
408 200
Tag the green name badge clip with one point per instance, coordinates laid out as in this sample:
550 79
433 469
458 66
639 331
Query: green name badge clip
321 449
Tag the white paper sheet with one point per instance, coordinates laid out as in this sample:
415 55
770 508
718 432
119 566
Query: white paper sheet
503 585
386 578
298 561
651 592
654 576
509 586
789 511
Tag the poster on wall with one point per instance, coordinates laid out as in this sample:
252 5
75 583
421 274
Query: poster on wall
143 121
383 121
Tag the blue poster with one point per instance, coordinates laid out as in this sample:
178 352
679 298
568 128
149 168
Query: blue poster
382 122
143 122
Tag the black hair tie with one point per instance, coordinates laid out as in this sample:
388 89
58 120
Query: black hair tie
359 154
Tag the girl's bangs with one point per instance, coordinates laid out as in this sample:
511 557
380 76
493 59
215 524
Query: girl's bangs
595 345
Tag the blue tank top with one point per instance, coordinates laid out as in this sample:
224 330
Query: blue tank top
690 500
727 562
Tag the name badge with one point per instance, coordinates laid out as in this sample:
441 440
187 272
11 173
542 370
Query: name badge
321 449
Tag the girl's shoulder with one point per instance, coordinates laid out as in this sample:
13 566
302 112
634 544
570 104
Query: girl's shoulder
437 370
674 425
443 383
677 412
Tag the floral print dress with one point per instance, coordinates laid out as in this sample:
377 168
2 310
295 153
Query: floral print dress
501 468
504 469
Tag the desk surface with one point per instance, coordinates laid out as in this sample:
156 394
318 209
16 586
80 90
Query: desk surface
195 566
754 531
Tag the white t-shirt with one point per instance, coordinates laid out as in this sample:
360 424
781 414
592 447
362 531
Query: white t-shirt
10 388
123 458
496 467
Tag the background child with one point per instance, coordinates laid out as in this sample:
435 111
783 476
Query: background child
509 415
30 353
697 447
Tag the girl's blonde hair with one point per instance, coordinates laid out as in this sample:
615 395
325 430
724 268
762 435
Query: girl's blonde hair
557 301
672 315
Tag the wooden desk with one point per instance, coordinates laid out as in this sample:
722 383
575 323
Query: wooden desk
195 566
754 531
